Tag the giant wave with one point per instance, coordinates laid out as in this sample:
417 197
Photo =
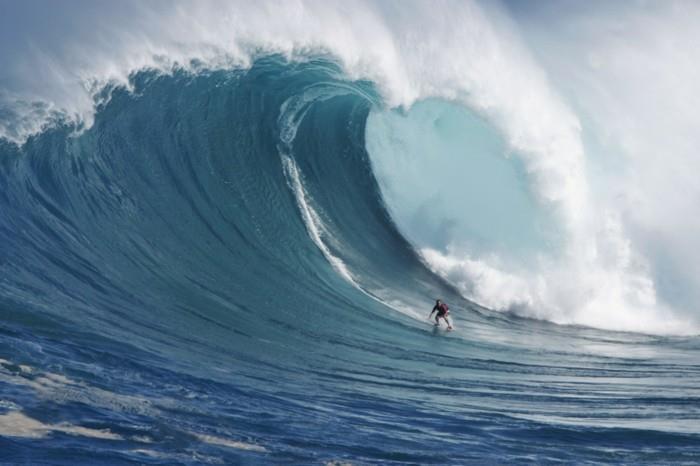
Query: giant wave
226 250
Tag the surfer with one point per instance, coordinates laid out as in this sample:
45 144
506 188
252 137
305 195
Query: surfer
442 311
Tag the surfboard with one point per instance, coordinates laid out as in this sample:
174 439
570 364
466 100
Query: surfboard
440 327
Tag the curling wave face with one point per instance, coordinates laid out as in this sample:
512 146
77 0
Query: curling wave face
212 262
547 123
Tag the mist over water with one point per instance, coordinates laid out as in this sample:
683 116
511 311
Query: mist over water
223 225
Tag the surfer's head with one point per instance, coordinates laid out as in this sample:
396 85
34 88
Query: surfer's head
437 301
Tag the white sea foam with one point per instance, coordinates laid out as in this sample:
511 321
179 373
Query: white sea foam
617 261
178 457
59 388
215 440
18 424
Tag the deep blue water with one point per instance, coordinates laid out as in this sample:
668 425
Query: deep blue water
208 274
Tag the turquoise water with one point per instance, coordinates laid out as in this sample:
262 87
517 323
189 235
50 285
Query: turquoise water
214 273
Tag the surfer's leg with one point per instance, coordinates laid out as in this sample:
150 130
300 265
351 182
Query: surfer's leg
448 322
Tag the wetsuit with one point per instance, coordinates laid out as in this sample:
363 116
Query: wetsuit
441 309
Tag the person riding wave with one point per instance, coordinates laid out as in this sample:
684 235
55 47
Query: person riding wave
442 312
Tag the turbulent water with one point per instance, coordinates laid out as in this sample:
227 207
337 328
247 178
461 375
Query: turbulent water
230 258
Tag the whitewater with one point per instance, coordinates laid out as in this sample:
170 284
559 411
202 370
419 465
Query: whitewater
224 224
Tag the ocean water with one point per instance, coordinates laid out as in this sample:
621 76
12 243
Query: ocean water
233 262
